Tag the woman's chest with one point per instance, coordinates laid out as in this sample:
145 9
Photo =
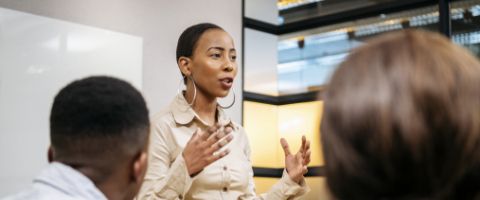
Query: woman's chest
231 172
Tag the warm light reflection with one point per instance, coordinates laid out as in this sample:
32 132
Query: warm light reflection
261 124
300 119
265 124
286 4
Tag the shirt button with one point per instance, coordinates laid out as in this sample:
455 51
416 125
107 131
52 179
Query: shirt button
225 189
225 168
180 196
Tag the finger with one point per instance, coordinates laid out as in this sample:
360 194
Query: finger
307 146
203 135
305 169
223 131
213 138
221 143
211 130
219 124
217 155
218 135
220 127
285 147
228 129
306 159
198 134
302 148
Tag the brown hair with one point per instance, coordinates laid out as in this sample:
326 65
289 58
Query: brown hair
402 120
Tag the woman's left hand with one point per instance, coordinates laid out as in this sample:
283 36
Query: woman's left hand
296 165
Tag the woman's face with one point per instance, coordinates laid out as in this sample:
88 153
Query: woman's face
213 63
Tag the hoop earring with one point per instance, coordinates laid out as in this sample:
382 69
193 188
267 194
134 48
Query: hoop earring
194 91
229 106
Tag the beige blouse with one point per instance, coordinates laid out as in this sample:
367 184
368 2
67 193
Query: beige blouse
230 177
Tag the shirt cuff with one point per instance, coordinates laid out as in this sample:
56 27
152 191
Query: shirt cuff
292 188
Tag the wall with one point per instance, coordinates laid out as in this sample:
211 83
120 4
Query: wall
159 23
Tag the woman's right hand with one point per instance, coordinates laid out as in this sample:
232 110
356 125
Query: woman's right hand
202 148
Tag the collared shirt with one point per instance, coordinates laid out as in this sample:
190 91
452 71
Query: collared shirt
230 177
60 182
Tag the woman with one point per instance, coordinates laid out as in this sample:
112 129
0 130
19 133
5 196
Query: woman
196 152
402 121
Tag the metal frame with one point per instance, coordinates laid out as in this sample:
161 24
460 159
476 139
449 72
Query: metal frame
277 172
444 17
336 18
283 99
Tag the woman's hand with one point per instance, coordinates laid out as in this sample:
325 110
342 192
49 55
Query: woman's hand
296 165
202 148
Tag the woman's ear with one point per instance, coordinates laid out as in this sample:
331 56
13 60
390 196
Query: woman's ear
184 63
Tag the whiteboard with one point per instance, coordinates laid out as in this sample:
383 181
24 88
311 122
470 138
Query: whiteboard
38 56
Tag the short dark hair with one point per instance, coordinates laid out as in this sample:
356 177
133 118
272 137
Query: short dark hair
187 42
402 120
188 39
98 119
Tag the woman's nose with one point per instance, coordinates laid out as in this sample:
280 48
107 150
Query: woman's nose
229 66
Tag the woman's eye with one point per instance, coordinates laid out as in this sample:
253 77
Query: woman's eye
234 57
216 55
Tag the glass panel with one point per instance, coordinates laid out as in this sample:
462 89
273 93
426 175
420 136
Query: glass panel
307 59
466 24
260 63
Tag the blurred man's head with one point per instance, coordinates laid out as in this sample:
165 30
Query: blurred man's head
402 120
99 126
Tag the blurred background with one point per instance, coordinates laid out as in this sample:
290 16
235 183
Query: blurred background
292 47
288 50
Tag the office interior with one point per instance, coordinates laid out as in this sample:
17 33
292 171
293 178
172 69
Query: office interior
288 50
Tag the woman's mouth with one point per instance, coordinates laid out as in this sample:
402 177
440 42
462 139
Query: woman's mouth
226 83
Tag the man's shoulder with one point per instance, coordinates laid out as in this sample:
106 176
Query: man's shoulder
39 194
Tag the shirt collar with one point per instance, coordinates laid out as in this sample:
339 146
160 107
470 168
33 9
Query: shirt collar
184 114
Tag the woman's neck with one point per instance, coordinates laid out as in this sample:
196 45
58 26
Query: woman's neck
205 105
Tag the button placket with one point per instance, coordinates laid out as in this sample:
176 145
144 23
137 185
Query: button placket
226 177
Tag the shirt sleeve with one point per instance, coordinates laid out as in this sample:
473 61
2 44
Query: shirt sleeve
167 176
285 188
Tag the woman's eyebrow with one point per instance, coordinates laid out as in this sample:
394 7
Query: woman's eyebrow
216 48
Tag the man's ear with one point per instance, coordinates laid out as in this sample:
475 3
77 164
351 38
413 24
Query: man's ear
50 154
140 167
184 63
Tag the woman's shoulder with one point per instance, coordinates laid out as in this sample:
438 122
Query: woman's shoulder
164 116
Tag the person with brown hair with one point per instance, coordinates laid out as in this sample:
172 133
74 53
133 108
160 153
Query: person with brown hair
402 120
